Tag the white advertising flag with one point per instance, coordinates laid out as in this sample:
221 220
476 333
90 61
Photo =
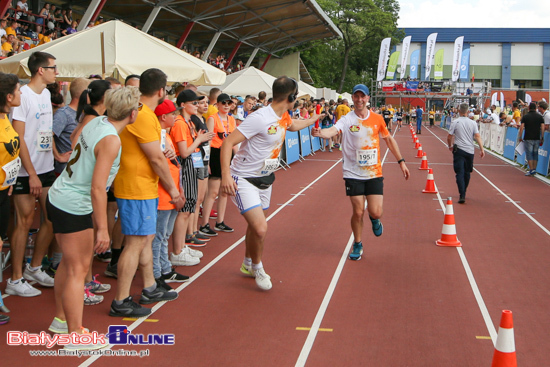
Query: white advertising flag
430 53
383 58
404 55
457 56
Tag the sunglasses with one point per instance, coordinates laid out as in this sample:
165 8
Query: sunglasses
194 103
50 67
140 106
227 103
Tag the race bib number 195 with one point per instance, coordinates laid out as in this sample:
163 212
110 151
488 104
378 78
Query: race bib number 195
367 157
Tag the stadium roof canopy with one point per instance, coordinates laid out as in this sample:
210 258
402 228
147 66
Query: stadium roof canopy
271 26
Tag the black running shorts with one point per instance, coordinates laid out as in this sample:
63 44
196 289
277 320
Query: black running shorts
374 186
63 222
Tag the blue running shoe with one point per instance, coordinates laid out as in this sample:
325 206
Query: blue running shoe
377 227
357 251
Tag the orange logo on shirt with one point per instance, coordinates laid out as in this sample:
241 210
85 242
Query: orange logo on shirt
272 130
354 128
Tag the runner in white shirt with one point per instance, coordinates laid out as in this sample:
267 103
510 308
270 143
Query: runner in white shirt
362 130
33 121
248 180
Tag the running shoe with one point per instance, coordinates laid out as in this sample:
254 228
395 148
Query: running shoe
222 227
377 227
207 231
213 214
22 289
51 270
190 251
4 319
357 251
91 299
201 237
184 259
105 257
97 287
98 345
128 308
263 281
162 284
462 200
159 294
174 277
38 276
111 271
58 326
247 270
194 241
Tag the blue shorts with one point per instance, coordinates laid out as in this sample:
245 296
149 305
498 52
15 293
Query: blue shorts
138 217
531 149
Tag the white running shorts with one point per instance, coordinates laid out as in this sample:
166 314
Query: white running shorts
249 196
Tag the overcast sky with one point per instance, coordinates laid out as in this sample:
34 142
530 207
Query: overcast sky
474 13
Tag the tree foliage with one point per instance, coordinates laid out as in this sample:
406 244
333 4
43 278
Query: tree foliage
342 63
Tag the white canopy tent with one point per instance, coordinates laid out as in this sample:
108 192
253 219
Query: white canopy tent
347 96
249 81
306 88
123 51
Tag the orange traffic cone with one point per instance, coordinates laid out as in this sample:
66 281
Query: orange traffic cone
430 184
424 163
417 144
505 348
419 152
448 232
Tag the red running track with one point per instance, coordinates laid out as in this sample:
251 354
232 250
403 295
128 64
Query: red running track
406 303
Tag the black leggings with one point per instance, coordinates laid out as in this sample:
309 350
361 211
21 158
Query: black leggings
4 212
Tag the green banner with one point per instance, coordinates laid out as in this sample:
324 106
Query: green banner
438 68
392 66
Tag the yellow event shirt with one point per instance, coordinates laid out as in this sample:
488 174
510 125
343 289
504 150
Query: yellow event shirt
212 109
6 46
342 110
517 116
9 147
136 179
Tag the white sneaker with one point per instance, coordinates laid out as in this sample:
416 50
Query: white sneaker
96 346
91 299
184 259
39 276
262 279
190 251
22 289
58 326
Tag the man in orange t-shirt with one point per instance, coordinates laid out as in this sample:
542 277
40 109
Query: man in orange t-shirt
362 131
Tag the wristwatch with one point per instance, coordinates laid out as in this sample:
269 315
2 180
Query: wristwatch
401 160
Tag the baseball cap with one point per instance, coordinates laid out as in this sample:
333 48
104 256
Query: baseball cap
223 97
188 95
361 87
166 107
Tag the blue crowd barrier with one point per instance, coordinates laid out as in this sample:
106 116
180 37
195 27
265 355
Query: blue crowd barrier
305 144
315 142
542 165
292 146
510 143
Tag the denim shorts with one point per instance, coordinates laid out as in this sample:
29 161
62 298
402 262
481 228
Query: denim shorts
138 217
531 149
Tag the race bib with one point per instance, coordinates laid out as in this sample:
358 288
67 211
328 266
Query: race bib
197 160
270 166
44 140
206 149
163 140
12 170
368 157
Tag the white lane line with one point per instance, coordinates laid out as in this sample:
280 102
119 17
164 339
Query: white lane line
138 322
306 349
473 284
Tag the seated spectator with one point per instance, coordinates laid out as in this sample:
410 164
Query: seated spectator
22 10
11 45
71 29
12 28
99 20
3 25
44 14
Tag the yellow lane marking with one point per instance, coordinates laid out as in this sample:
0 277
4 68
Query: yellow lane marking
308 328
134 319
483 337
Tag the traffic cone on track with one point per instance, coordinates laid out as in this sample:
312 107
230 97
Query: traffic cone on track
430 184
448 232
419 152
424 163
417 144
505 348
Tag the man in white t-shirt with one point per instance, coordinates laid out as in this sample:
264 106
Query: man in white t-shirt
362 131
542 107
33 121
249 177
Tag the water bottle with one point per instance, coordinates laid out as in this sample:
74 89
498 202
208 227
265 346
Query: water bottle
30 249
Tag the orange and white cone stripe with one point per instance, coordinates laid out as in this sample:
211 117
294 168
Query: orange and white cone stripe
419 152
424 163
448 232
505 348
430 183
